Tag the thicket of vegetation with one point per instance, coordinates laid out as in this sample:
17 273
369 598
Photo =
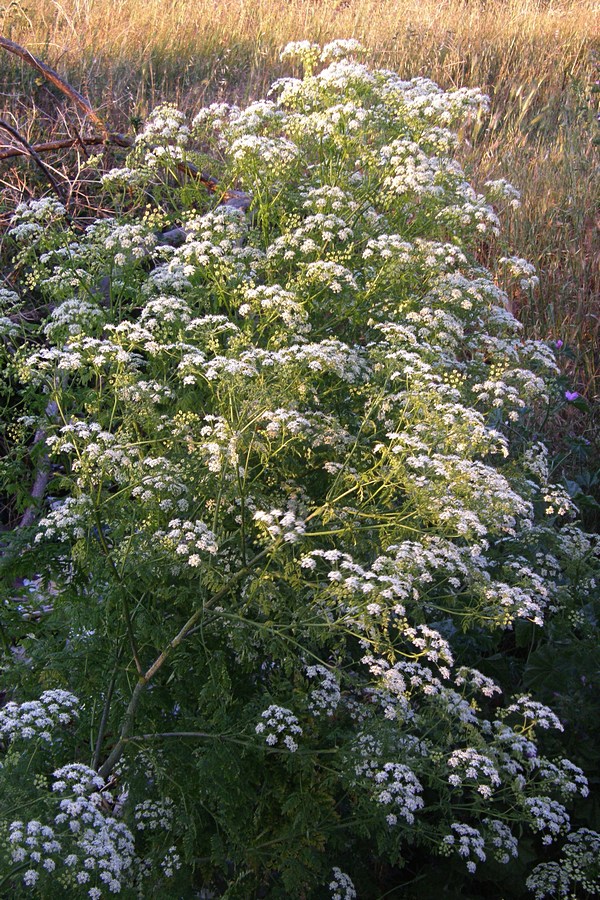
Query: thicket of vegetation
303 607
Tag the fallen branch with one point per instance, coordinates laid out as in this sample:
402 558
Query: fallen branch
27 149
119 140
82 102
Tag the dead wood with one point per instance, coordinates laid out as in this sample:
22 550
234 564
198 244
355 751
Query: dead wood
92 140
52 76
26 148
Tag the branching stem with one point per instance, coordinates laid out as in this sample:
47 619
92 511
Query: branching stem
144 679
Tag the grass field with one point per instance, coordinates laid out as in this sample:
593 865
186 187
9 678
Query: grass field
539 61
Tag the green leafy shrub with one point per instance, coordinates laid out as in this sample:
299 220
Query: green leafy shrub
270 637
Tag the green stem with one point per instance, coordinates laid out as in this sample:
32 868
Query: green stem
14 872
126 610
145 678
106 710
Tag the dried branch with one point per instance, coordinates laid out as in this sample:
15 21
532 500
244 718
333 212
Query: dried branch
55 79
120 140
30 151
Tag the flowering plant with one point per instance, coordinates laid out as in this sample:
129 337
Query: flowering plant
295 504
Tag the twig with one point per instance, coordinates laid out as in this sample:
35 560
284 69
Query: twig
30 151
55 79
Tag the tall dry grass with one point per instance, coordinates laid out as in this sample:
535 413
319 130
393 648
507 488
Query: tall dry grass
538 60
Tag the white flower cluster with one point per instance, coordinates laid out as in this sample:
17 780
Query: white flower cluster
88 849
219 447
259 118
547 815
278 523
38 718
578 867
367 755
280 725
474 679
564 777
404 572
9 300
320 235
122 177
166 124
143 393
502 841
160 484
34 845
533 713
329 198
398 790
268 301
341 886
324 699
68 521
188 541
252 152
85 355
214 117
154 815
103 847
74 317
469 496
132 242
535 459
470 766
326 275
550 880
95 453
316 428
171 862
32 216
500 190
521 269
467 842
307 51
342 48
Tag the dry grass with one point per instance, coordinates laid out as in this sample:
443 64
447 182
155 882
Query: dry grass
538 60
136 51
